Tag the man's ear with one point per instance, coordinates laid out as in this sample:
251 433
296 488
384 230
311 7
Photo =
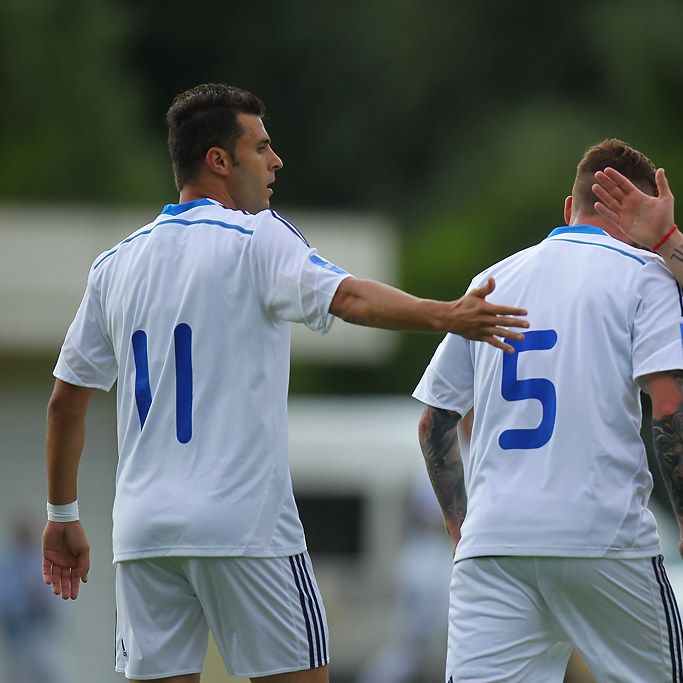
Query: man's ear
568 209
218 161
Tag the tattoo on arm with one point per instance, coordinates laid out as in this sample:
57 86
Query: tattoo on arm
439 443
677 254
667 435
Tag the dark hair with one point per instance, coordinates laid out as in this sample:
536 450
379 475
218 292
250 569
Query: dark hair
620 156
204 117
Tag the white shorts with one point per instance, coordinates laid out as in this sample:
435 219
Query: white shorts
516 619
265 614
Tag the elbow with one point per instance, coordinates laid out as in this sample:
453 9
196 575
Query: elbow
345 303
59 409
665 393
68 402
425 424
339 307
665 408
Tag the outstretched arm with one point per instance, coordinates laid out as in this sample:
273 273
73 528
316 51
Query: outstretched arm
647 220
66 552
437 432
366 302
666 392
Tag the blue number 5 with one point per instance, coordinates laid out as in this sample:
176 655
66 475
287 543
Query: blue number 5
543 390
182 338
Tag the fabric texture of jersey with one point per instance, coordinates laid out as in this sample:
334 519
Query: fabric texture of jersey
556 465
192 315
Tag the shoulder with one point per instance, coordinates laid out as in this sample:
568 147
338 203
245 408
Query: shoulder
274 223
209 213
105 256
654 270
500 266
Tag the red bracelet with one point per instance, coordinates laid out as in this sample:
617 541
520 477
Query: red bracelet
665 238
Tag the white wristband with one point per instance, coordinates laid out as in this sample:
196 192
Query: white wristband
63 513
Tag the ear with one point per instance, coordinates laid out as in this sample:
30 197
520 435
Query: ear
568 209
218 161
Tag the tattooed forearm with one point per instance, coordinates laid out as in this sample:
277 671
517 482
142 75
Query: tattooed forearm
677 254
667 434
439 443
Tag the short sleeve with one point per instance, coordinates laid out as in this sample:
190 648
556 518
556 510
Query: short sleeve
448 381
87 356
293 281
656 336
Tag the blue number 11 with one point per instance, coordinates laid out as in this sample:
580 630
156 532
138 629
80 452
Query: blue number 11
182 337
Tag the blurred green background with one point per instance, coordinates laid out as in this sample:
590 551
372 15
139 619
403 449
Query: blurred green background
460 121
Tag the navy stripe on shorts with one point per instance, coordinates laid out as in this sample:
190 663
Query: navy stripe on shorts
673 619
310 607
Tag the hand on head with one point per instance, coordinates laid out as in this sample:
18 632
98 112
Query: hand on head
644 218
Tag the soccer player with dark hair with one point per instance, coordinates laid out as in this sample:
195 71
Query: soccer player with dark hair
554 544
191 315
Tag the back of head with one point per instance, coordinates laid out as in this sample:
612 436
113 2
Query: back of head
620 156
203 117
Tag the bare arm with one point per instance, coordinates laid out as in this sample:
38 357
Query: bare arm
644 218
370 303
439 442
66 552
666 392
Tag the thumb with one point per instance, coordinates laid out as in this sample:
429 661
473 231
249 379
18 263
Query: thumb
662 183
485 289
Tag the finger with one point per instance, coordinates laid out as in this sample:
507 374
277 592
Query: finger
662 183
75 584
609 185
495 309
47 571
606 197
66 582
56 579
485 289
611 216
84 566
621 181
504 321
502 332
499 344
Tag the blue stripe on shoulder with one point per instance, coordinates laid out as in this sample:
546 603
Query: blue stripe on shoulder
207 221
120 244
178 221
578 229
604 246
175 209
290 226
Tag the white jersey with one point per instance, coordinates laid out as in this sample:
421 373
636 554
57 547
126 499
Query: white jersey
191 314
556 464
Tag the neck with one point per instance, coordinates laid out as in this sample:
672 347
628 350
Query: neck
200 190
599 222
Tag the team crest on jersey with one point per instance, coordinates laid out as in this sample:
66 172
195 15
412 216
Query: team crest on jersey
324 263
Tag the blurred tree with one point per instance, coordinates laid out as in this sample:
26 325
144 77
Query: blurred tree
69 125
461 121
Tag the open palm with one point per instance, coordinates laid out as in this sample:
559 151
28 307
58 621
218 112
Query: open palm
645 219
66 558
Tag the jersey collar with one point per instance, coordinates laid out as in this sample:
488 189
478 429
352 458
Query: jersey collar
175 209
578 229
